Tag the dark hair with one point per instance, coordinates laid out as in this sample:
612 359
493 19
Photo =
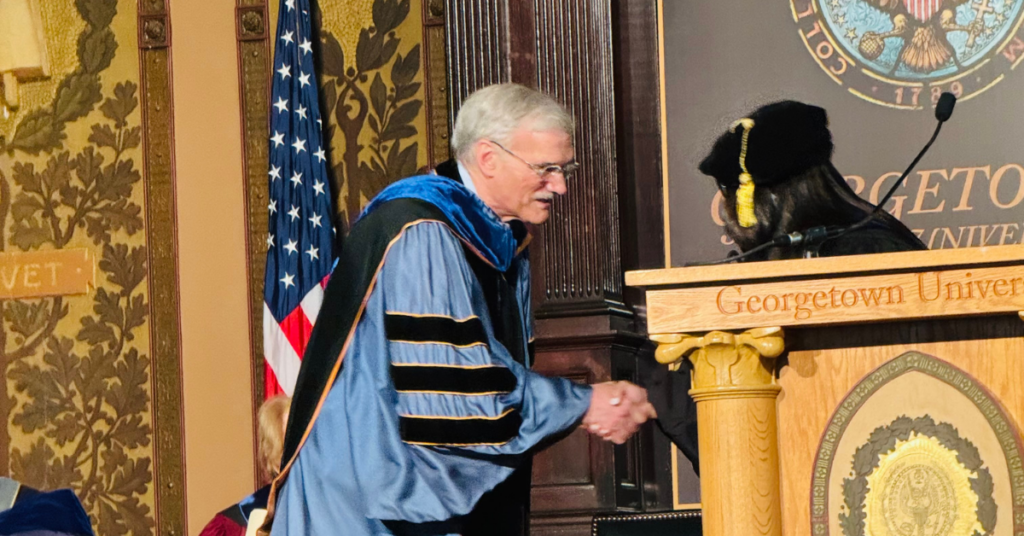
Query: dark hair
817 196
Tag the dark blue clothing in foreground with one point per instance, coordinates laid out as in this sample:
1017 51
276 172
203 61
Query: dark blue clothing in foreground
56 511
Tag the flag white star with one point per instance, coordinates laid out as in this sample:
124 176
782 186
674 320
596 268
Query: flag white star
294 212
300 145
290 4
315 220
288 280
296 178
320 154
275 171
319 187
277 138
313 253
287 37
319 122
303 80
290 246
270 240
306 46
281 105
285 71
272 206
301 111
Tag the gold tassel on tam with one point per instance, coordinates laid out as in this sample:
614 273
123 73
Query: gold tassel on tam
745 193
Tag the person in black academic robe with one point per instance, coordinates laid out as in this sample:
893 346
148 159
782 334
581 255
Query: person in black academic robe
774 169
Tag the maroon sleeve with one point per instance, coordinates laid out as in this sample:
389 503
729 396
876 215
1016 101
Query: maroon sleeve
222 526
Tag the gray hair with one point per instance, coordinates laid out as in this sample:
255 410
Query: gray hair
494 112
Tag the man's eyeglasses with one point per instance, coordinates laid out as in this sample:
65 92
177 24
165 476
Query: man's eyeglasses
545 171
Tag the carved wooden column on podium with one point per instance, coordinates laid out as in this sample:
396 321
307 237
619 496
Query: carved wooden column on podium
735 390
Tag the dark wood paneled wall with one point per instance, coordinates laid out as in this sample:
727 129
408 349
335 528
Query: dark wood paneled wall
599 58
574 64
477 45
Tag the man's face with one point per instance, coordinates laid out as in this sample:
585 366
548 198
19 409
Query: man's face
516 189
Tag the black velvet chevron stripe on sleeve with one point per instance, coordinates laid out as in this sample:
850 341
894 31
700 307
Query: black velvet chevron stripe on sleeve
453 380
434 329
357 269
442 431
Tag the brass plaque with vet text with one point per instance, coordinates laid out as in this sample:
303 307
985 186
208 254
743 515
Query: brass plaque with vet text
46 273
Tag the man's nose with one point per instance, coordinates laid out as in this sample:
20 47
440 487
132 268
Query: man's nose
556 183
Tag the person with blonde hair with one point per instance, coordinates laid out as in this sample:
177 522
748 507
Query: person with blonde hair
272 420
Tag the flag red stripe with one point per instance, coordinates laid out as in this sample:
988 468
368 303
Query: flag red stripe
296 328
279 353
270 386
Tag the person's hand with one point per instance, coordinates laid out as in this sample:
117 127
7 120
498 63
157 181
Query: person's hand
617 409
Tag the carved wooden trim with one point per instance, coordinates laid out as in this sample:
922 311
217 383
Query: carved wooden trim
724 360
574 63
435 78
154 30
251 22
638 117
477 47
254 88
165 325
433 12
522 42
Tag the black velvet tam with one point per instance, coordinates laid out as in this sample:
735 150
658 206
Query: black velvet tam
787 139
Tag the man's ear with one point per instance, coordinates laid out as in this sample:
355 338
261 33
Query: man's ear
486 158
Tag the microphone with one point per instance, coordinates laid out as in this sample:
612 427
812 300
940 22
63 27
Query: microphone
821 234
944 109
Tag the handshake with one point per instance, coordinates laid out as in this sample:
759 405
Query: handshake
617 409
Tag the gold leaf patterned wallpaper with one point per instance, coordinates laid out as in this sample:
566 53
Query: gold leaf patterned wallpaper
372 87
76 396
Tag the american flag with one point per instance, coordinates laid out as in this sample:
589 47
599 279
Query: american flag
299 243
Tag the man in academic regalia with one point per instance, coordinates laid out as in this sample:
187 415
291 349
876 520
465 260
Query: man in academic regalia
415 410
774 169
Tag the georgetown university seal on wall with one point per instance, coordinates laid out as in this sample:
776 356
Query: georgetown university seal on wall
905 53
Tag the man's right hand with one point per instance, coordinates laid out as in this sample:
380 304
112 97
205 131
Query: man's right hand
617 409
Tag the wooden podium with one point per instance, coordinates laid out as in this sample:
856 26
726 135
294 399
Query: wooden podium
850 367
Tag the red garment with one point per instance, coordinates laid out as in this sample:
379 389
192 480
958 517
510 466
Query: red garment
222 525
